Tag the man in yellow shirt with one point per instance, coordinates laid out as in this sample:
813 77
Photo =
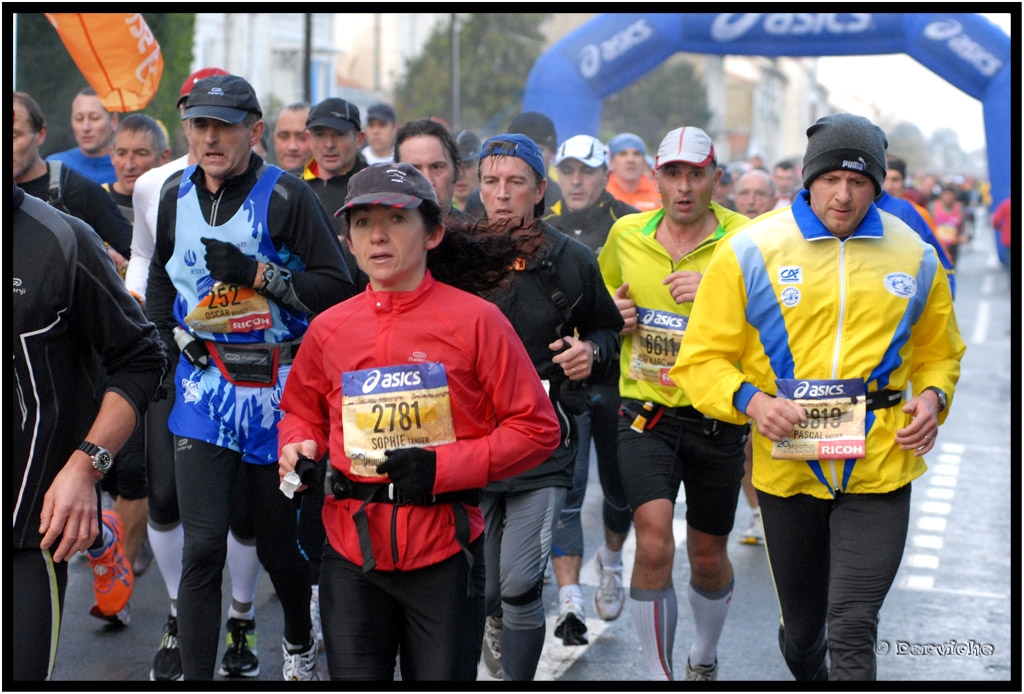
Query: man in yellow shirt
652 263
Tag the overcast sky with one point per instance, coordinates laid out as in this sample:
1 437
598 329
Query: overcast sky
900 84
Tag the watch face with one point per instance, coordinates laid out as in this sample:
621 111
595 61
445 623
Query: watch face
102 460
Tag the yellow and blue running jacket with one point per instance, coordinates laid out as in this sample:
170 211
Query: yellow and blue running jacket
784 298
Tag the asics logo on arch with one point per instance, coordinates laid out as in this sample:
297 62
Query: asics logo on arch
730 26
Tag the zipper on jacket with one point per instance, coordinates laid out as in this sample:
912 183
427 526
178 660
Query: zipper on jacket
394 534
216 205
836 480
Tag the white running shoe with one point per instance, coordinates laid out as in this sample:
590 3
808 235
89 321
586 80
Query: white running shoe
754 534
571 624
610 595
701 673
492 647
301 666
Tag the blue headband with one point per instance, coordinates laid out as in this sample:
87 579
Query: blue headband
626 141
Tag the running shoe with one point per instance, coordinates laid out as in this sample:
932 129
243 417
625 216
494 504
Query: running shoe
754 534
492 647
571 624
240 659
610 595
167 661
112 577
300 666
701 673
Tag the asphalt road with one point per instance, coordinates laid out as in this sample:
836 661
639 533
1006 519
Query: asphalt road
947 618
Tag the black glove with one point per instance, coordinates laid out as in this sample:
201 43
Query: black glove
411 469
228 264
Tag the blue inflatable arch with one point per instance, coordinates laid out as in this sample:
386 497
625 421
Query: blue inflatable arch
611 51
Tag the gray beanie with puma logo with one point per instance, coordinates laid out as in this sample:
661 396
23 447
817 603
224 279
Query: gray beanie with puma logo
845 142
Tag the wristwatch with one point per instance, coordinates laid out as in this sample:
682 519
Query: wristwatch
941 395
270 272
268 275
101 458
597 352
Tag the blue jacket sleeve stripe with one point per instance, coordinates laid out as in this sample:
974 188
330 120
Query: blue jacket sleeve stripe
763 311
915 307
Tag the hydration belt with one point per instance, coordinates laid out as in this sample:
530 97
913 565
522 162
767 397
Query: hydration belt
252 364
881 399
646 414
385 492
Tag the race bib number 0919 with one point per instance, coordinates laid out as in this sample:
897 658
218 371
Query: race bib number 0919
834 429
393 407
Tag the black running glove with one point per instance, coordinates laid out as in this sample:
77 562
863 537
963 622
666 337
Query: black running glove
412 470
228 264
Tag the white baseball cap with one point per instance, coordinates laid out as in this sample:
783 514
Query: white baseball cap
688 145
583 148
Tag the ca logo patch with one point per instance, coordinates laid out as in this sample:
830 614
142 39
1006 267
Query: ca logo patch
791 275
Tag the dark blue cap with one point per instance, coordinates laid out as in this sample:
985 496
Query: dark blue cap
515 145
227 98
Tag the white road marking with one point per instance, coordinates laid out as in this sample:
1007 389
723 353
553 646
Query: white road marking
918 582
981 322
931 524
927 541
922 561
557 658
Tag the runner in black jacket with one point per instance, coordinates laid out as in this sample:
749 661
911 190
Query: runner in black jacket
561 310
68 304
587 212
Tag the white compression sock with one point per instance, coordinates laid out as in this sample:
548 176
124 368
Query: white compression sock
655 613
168 546
709 612
244 567
610 559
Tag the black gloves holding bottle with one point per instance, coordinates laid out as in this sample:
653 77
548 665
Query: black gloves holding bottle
228 264
412 470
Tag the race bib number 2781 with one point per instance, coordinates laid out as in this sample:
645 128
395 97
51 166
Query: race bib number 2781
394 407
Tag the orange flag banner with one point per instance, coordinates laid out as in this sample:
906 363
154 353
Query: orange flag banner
116 53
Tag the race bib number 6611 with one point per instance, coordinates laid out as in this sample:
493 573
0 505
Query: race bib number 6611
393 407
655 345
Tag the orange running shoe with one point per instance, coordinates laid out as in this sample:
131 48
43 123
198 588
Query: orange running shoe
112 576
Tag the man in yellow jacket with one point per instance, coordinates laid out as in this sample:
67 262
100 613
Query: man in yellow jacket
813 322
652 263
